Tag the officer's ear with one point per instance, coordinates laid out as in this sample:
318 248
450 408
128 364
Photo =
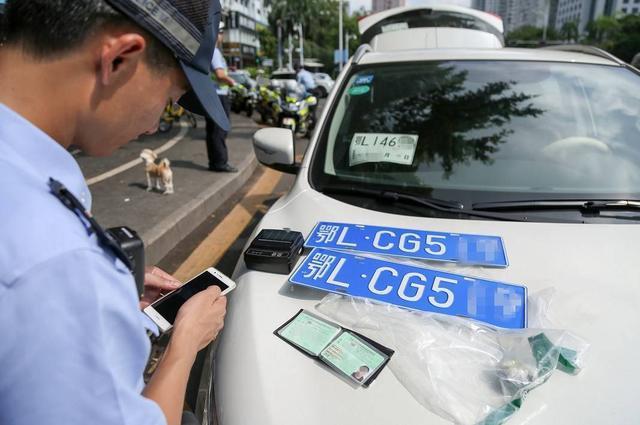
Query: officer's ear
120 56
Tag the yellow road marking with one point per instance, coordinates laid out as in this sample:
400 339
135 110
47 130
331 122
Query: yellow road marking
213 247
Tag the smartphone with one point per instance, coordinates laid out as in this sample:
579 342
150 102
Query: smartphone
163 312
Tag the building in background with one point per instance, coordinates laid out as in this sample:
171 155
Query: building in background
584 11
497 7
626 7
527 12
517 13
380 5
553 13
241 41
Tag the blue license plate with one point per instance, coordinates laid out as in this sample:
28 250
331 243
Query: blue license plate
410 243
418 288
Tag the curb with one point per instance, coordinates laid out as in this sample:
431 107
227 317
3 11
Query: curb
165 235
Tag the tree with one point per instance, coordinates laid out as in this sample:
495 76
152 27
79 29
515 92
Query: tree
569 31
592 33
606 28
529 35
320 24
625 42
267 42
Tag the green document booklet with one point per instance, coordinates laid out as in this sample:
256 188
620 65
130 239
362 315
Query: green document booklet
349 353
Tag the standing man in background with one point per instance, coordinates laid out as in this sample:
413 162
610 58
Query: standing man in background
216 136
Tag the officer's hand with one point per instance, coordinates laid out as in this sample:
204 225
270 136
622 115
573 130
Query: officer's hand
200 319
156 283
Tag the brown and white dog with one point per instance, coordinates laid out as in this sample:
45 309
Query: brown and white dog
157 172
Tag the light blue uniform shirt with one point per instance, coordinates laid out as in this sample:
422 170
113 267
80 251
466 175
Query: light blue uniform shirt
218 62
305 78
73 345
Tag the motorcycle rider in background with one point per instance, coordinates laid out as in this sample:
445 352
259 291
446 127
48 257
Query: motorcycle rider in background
305 78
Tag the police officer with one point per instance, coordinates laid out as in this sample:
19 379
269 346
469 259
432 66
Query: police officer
305 78
93 74
215 135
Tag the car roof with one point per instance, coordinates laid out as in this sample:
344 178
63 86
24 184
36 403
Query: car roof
369 21
505 54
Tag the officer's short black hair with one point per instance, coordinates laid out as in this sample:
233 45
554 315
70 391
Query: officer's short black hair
47 29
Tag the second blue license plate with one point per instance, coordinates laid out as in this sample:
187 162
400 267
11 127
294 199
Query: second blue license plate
417 288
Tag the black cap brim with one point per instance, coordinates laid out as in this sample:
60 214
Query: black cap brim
202 98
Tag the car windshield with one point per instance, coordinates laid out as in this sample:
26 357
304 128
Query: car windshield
480 131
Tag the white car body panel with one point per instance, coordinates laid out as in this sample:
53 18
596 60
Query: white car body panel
593 268
506 54
433 38
259 379
366 23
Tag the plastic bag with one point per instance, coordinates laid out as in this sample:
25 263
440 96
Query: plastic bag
462 370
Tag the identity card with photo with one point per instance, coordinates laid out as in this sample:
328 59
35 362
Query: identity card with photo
345 351
353 357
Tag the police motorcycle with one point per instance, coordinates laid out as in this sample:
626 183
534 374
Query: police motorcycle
295 108
243 95
268 101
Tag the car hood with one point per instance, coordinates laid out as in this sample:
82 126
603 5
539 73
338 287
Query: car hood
593 269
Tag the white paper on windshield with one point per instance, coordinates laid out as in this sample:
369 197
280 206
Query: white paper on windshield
396 26
382 147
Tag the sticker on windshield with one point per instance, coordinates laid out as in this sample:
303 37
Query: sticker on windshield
358 90
418 288
382 147
363 80
481 250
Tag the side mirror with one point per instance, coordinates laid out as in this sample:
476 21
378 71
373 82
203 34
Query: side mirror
274 147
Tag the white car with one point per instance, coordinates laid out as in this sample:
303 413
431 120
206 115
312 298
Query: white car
324 83
538 147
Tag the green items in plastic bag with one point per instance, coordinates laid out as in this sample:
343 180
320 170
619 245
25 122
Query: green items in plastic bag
464 371
548 357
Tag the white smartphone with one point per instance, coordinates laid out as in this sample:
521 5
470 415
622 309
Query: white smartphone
163 312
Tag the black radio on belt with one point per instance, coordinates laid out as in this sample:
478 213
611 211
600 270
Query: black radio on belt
133 247
274 251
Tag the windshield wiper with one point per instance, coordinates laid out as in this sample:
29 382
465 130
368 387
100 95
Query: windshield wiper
392 196
550 204
452 207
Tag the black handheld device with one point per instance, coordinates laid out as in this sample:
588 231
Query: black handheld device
274 251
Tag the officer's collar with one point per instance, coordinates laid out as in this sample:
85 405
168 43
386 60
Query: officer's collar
40 154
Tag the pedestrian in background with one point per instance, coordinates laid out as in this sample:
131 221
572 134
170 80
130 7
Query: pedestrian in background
216 136
93 74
